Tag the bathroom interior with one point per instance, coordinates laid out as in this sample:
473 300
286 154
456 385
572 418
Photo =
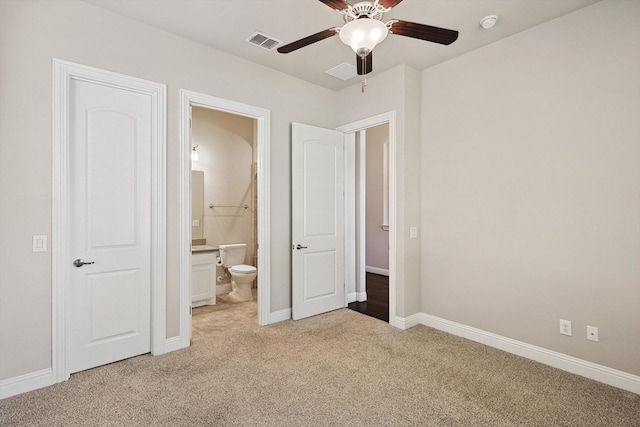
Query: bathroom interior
224 209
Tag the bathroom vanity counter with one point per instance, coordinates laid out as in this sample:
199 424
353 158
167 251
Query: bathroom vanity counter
202 248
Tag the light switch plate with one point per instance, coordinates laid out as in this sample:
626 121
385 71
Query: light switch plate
39 243
413 232
195 223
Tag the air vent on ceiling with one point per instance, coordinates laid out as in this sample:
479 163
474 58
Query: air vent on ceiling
264 41
343 71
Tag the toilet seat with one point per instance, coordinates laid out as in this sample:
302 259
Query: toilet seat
242 269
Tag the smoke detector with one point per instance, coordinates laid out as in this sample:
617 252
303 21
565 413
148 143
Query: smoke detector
488 21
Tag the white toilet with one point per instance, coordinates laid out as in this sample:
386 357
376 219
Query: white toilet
242 275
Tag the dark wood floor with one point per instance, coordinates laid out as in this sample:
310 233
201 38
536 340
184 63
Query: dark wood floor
377 303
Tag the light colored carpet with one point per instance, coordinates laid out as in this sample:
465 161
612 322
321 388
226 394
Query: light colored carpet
338 369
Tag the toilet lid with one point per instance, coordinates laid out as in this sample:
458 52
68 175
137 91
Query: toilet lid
243 269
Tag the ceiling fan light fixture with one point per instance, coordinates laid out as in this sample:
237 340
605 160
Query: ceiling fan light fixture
362 35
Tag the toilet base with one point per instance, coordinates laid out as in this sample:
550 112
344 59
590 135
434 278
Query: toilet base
241 292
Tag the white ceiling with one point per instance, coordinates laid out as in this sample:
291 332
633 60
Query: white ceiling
226 24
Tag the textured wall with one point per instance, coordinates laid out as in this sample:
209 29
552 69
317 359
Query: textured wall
32 32
530 185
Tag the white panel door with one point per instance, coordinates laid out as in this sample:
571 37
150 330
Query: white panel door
318 255
110 137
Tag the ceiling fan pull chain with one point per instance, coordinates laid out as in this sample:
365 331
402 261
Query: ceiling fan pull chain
364 75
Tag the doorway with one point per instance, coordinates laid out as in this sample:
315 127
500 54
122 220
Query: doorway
356 229
260 118
372 176
223 198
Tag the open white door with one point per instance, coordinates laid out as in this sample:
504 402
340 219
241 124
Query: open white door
318 260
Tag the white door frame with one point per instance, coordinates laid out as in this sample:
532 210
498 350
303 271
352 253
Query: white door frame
361 222
262 117
350 129
63 73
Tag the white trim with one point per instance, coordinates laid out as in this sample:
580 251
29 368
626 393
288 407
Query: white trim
405 323
361 231
63 72
385 186
603 374
350 220
356 297
27 382
279 316
223 288
172 344
361 296
263 133
377 270
390 118
184 290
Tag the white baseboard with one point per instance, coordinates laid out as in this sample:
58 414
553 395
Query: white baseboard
376 270
613 377
405 323
603 374
356 296
352 297
27 382
172 344
223 288
279 316
44 378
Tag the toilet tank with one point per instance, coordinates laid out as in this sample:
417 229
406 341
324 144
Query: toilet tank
232 254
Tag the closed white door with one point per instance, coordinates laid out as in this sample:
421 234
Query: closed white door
318 255
109 294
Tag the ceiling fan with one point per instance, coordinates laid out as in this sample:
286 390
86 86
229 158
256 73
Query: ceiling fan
364 29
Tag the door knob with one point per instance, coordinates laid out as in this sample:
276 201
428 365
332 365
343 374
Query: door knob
298 247
80 263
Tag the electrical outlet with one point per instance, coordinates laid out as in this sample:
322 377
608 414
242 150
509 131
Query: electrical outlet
565 327
592 333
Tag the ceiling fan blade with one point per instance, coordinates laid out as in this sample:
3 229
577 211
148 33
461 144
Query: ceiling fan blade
367 67
389 3
423 32
308 40
337 4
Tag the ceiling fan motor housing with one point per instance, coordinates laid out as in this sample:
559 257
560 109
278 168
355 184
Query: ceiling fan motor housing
364 9
364 29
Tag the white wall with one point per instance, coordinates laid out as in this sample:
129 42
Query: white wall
531 185
32 32
528 198
225 150
398 90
